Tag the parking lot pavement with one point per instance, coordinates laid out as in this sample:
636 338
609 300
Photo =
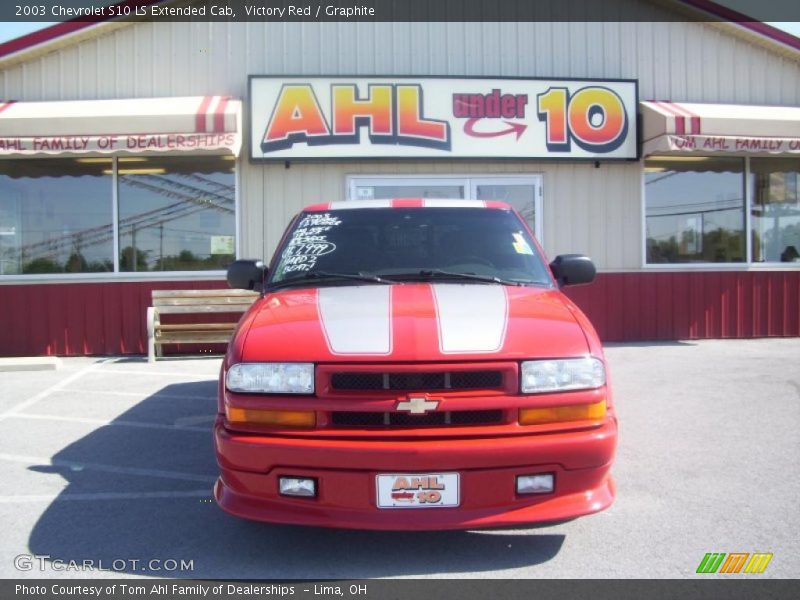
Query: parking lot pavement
111 461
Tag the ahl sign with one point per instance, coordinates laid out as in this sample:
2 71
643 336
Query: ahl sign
419 117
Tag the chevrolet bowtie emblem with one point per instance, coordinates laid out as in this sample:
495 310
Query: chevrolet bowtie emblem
417 405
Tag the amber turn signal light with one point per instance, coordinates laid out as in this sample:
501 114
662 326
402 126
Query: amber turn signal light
276 418
559 414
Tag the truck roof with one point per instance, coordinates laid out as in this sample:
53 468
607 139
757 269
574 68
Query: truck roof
408 203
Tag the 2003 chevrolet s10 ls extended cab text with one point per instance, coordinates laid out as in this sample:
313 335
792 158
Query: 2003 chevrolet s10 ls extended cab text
412 364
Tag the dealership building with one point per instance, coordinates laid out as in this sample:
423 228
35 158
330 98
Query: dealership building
137 156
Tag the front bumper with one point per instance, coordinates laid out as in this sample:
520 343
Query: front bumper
346 469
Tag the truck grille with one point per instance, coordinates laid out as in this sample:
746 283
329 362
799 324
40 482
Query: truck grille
417 381
458 418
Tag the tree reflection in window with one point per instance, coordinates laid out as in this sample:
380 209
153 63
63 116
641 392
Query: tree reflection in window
55 216
695 209
176 213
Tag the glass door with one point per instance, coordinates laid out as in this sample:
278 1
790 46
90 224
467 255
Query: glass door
523 192
382 188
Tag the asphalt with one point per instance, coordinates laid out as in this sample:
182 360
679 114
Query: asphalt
111 461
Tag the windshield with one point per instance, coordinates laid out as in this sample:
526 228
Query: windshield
407 244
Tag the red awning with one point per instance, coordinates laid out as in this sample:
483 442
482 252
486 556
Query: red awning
680 127
199 124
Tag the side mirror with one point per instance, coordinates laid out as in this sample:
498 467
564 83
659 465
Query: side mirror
573 269
247 274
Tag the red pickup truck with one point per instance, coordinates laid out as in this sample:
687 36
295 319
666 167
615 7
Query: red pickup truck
412 364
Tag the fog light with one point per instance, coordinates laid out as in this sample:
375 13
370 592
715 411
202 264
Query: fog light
535 484
298 486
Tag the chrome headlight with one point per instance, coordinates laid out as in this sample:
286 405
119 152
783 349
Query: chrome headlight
271 378
562 375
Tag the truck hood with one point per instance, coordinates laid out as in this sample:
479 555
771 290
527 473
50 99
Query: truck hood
412 322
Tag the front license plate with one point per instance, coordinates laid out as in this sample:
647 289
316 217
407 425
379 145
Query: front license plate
418 490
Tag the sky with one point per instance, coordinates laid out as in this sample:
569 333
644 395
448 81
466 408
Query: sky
9 31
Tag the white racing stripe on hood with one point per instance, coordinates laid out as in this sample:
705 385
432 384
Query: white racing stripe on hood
357 320
471 318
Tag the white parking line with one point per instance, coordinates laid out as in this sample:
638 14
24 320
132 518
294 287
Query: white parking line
81 466
53 388
115 422
103 496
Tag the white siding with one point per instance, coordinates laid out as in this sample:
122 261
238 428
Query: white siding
586 209
689 62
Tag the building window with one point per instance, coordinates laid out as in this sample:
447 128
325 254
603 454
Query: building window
523 192
176 213
695 210
775 209
173 214
56 216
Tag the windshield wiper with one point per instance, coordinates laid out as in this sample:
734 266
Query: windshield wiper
331 275
443 274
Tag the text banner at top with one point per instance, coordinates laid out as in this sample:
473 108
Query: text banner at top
396 10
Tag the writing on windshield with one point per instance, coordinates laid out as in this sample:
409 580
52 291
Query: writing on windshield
309 241
404 244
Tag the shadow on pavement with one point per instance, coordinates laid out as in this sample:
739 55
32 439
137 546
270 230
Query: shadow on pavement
143 493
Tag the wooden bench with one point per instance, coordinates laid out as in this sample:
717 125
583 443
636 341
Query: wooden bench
193 302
